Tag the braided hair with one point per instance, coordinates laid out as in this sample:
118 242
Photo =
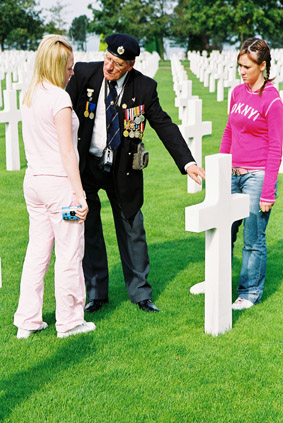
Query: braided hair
262 52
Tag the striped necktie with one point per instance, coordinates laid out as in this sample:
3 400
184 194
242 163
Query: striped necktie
112 118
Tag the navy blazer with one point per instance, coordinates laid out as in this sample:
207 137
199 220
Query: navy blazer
139 90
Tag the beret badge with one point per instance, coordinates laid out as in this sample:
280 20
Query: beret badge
120 50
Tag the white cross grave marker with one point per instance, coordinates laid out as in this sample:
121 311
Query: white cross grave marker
212 78
2 76
181 100
215 216
193 130
11 116
220 90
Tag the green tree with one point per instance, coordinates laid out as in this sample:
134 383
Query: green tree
57 23
78 31
106 18
259 17
201 24
158 27
207 24
145 20
20 25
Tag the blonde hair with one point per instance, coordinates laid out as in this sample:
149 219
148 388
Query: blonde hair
50 64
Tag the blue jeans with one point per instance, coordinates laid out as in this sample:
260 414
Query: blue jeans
254 254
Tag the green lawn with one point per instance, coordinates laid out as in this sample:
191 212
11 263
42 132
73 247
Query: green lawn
138 367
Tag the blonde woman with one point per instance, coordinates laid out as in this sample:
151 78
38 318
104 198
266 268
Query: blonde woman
52 181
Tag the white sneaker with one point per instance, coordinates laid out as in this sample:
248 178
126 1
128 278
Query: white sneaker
83 328
198 288
25 333
241 304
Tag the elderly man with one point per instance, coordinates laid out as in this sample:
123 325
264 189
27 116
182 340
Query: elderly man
113 102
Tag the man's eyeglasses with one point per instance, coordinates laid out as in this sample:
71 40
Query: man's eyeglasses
116 65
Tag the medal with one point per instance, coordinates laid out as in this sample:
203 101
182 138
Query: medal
141 116
89 109
124 106
141 129
126 133
89 92
133 121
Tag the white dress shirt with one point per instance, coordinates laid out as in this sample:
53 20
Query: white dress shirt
99 136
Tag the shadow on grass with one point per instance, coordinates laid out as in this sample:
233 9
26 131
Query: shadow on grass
273 275
273 270
20 386
170 258
167 260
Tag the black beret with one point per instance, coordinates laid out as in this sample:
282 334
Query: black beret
123 46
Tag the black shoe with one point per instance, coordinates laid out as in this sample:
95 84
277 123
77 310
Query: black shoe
147 305
95 305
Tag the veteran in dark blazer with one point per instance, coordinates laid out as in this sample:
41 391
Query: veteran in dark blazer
114 102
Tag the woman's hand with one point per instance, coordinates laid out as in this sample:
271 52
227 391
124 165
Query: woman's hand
82 212
265 207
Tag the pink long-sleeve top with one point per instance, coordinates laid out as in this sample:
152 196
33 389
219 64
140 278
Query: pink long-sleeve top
254 134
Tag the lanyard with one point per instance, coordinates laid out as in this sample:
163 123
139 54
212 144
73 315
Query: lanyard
115 101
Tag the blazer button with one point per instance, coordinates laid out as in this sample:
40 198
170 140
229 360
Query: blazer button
127 173
79 139
129 154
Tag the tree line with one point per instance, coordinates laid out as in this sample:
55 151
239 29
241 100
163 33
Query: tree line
192 24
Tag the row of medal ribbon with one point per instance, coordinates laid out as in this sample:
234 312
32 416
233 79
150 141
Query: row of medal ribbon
89 109
134 122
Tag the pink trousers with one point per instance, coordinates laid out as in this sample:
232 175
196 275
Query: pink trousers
45 195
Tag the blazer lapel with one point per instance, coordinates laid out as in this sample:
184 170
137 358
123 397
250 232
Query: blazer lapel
128 98
94 83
